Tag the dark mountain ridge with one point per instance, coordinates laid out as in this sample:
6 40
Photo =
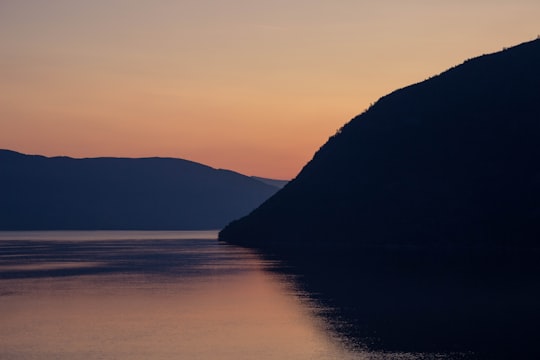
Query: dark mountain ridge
41 193
451 161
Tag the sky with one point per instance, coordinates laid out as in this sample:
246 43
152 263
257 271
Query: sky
248 85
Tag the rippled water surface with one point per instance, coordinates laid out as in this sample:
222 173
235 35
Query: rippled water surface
181 295
149 295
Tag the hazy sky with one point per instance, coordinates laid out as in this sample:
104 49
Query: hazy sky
249 85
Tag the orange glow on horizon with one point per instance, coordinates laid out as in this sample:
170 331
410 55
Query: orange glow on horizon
256 88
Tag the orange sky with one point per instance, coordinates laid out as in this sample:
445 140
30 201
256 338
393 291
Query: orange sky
255 86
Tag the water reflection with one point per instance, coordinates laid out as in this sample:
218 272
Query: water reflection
111 297
114 252
474 304
171 295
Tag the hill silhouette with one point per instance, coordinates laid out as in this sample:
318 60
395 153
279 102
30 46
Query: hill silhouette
40 193
274 182
450 161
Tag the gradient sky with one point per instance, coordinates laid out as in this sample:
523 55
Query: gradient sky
249 85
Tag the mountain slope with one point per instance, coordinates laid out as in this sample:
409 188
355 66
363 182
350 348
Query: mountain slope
273 182
37 192
450 161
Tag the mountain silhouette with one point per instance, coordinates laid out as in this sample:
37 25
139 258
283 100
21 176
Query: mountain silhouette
40 193
450 161
274 182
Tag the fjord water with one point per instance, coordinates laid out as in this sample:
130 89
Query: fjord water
184 295
149 295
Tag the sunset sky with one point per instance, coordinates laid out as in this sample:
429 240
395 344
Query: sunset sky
249 85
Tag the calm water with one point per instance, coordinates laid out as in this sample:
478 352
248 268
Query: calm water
183 295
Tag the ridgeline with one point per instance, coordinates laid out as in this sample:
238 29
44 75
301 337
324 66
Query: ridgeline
62 193
451 161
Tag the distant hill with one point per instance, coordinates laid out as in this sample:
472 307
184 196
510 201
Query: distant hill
273 182
38 193
451 161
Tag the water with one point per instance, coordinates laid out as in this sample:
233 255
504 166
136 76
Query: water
184 295
149 295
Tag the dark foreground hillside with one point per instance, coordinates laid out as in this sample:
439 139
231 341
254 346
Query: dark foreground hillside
40 193
451 161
